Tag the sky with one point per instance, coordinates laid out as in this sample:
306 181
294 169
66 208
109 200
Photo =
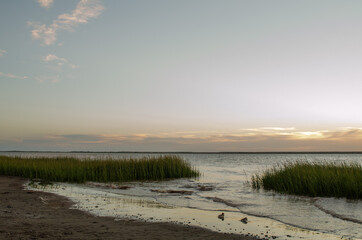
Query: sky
190 75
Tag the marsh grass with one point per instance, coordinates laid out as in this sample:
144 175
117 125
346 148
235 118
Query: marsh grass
313 179
67 169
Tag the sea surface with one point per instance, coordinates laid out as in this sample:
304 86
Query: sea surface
223 187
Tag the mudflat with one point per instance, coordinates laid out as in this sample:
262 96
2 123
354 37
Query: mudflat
28 214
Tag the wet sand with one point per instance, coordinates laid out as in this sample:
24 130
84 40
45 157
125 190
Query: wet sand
28 214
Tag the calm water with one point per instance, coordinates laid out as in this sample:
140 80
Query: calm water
225 178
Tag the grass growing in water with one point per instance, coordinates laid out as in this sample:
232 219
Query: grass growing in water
313 179
67 169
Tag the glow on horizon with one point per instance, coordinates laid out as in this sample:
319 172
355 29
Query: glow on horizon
282 139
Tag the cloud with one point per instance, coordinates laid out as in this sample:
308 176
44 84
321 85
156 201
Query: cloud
52 57
328 140
45 3
277 128
2 52
10 75
41 31
59 62
84 11
43 79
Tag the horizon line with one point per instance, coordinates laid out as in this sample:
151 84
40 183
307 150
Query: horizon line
193 152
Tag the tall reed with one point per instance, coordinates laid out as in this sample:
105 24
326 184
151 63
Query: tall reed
313 179
65 169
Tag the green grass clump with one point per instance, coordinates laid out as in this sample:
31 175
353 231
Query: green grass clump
67 169
313 179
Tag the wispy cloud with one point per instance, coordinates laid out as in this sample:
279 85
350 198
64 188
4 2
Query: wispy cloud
45 3
277 128
52 57
56 64
85 10
43 79
2 52
59 61
10 75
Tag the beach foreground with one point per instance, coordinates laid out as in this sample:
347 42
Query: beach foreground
39 215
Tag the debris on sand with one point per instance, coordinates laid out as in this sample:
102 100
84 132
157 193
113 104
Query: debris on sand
244 220
221 216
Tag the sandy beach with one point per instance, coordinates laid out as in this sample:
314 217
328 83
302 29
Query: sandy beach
28 214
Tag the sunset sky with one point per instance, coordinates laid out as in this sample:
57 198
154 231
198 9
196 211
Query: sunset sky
190 75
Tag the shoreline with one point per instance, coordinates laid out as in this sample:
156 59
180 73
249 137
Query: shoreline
27 214
128 207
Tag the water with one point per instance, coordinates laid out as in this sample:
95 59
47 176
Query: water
223 188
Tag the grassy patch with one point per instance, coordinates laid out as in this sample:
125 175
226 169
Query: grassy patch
313 179
76 170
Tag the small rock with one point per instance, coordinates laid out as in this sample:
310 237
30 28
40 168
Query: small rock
221 216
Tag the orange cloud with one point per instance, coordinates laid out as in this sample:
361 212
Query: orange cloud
244 140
